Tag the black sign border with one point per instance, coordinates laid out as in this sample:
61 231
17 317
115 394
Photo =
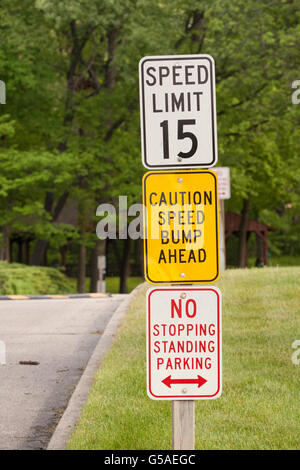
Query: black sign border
182 172
213 117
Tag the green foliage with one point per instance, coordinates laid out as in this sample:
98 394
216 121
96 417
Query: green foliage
6 126
26 177
32 280
70 128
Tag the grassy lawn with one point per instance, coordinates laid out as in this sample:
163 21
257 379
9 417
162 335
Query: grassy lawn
112 284
259 407
274 261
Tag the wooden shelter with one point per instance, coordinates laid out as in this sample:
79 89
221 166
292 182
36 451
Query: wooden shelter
233 224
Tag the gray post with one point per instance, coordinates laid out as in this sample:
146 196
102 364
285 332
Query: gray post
183 424
222 235
101 274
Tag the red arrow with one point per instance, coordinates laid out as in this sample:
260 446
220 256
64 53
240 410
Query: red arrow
168 381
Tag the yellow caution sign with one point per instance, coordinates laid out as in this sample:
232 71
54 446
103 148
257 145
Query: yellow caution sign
181 236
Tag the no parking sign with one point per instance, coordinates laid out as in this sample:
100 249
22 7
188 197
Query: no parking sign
184 357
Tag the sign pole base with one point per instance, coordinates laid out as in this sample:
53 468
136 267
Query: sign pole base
183 424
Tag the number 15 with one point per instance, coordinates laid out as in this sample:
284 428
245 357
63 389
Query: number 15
180 135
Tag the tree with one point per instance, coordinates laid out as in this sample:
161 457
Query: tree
254 45
71 125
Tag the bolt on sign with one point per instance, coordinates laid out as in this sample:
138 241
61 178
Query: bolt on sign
178 111
184 357
180 227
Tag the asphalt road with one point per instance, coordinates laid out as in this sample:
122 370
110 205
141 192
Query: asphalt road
54 339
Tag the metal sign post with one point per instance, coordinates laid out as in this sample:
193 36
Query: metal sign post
101 273
181 235
223 193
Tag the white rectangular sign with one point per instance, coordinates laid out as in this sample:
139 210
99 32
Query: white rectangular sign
223 182
184 358
178 111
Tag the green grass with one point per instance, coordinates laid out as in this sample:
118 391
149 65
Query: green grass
284 260
112 284
259 407
274 261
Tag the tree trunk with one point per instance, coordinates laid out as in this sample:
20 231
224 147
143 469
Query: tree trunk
140 242
243 262
81 269
98 250
259 251
39 252
4 247
63 257
125 268
266 249
20 251
25 251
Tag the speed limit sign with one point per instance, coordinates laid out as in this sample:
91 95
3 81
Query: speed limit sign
178 111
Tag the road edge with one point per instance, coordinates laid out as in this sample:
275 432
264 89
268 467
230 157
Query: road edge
70 417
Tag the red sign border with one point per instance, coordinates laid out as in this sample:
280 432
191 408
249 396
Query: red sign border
184 289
